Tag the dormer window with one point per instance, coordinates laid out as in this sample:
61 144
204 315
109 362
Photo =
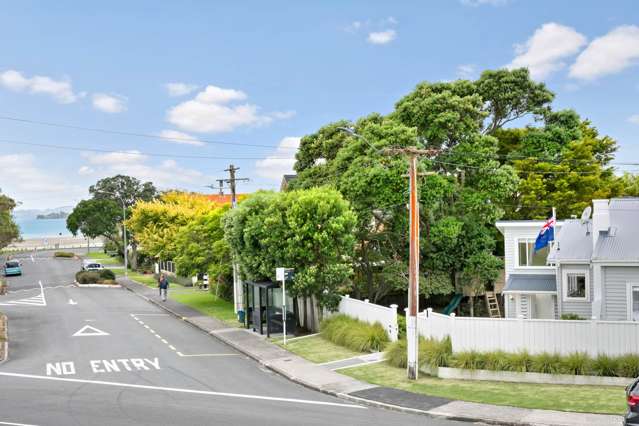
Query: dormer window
527 256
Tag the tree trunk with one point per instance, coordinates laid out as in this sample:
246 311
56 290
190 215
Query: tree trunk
313 313
134 256
472 306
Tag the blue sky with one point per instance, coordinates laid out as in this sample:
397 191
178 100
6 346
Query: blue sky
266 73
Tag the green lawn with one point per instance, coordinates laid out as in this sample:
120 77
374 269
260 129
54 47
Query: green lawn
206 303
146 279
587 399
104 258
317 349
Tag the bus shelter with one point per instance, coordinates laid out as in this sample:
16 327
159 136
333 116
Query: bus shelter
263 308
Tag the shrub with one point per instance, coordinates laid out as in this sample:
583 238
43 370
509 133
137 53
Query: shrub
63 254
432 352
470 360
496 360
571 316
628 366
354 334
577 363
518 362
104 276
546 363
107 274
87 277
604 365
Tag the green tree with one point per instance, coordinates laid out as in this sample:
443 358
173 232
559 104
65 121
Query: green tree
9 231
201 248
309 230
630 184
96 218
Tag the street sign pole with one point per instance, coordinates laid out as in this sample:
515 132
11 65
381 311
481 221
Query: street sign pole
284 307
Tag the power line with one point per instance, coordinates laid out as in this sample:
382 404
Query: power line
137 134
139 153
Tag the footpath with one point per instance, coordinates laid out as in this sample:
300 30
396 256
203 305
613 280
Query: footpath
325 380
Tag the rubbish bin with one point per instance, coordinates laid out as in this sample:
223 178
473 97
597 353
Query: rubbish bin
240 316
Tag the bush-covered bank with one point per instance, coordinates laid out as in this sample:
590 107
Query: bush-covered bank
438 353
354 334
104 276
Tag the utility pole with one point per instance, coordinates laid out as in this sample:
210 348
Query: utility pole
237 285
412 336
221 184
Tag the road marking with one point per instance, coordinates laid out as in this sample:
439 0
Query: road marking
150 315
72 302
118 365
32 259
182 390
186 356
38 300
88 330
15 424
60 368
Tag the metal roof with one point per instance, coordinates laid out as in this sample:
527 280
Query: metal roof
530 283
573 242
621 241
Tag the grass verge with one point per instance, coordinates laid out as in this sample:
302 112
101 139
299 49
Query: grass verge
146 279
104 258
317 349
585 399
206 303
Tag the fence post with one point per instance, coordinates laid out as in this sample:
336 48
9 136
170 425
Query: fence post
393 332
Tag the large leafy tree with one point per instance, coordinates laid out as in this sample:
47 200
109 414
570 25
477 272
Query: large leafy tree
89 219
9 231
309 230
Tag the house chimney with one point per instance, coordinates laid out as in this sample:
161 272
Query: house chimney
600 219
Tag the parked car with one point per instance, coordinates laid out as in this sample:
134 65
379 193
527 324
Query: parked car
90 265
12 267
632 398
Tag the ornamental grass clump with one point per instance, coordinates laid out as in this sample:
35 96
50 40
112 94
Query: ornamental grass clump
577 363
354 334
546 363
432 352
470 360
604 365
519 362
628 366
496 361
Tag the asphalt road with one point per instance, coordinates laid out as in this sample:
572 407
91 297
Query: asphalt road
92 356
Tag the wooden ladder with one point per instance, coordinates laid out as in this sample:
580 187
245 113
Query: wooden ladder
493 305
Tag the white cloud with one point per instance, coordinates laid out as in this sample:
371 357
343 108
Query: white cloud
466 71
32 184
164 174
180 137
382 37
111 104
354 27
180 89
60 90
544 52
283 115
608 54
476 3
85 170
634 119
213 110
281 162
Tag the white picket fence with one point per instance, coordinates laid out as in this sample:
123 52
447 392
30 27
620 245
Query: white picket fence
535 336
371 313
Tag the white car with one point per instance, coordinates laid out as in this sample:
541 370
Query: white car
90 265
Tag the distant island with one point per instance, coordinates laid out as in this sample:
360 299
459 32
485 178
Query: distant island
56 215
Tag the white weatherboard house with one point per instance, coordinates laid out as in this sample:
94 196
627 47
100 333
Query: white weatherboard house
591 270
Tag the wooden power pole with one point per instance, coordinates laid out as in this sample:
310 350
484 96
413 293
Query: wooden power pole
412 336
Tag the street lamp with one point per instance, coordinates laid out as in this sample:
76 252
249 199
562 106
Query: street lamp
126 257
351 131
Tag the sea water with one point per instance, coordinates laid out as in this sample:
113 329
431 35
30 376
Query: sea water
40 228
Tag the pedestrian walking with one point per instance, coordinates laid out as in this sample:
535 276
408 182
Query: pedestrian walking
163 285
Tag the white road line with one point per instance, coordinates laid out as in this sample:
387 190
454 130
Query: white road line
32 259
182 390
164 341
42 293
150 315
15 424
187 356
172 347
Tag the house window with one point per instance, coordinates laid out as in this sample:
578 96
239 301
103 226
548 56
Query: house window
528 256
576 286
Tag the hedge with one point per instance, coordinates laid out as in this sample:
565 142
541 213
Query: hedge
63 254
354 334
104 276
438 353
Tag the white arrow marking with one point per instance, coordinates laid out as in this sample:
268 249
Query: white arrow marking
87 330
71 302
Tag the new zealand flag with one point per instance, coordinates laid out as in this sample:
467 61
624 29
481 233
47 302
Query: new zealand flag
546 235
